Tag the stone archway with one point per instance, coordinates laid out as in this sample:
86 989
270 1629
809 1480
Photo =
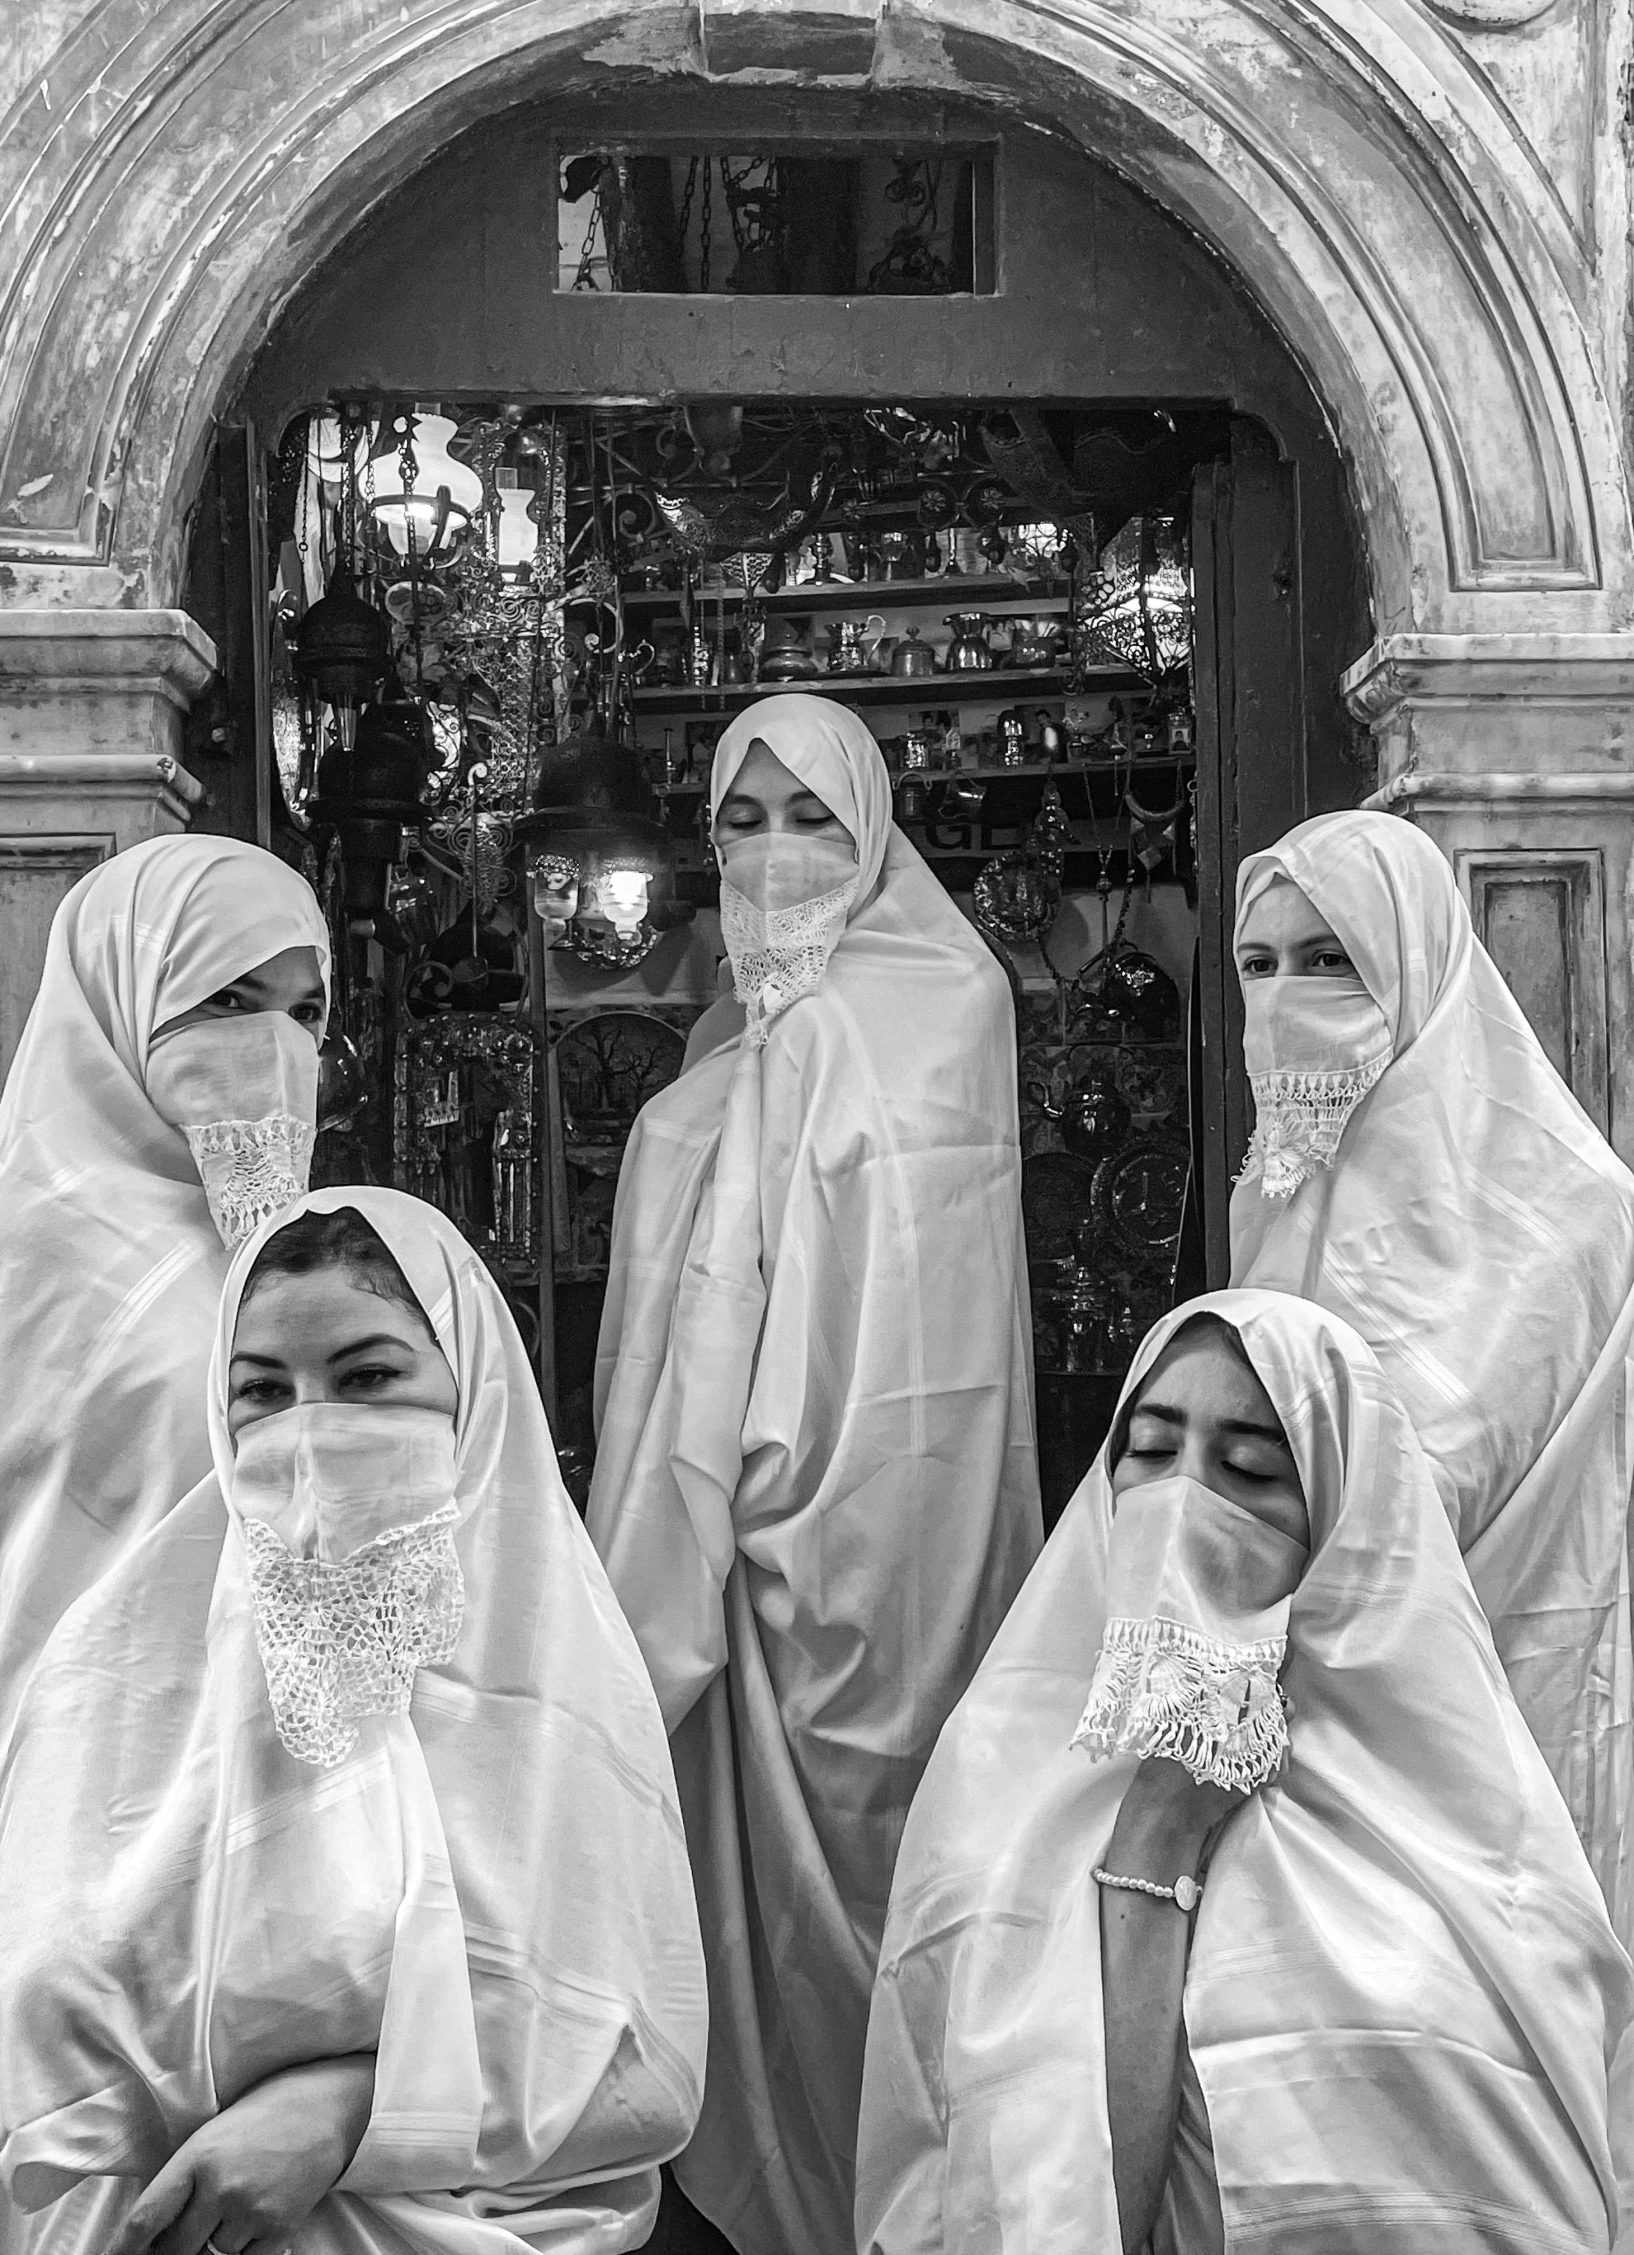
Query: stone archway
1394 185
177 172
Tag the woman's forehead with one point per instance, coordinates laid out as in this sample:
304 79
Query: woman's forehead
1202 1372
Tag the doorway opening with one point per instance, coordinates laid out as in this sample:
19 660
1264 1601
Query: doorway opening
505 637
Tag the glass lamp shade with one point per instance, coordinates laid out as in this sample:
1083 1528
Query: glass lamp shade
592 867
518 534
428 516
621 895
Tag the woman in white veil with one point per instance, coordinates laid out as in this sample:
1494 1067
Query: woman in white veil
344 1892
1419 1167
162 1100
1378 2015
815 1486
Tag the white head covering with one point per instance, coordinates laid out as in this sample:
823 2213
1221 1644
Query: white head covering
816 1468
491 1889
1403 1993
1479 1233
110 1264
814 736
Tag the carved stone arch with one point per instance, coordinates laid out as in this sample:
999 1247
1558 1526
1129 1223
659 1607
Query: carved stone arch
176 171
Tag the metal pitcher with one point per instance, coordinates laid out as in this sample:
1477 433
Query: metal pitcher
970 650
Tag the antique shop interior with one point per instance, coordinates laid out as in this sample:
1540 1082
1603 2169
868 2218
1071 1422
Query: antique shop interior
602 426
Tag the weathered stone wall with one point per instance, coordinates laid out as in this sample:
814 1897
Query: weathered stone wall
1429 203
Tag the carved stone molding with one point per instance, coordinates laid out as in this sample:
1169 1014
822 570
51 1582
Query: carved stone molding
91 706
1490 15
1368 186
1533 670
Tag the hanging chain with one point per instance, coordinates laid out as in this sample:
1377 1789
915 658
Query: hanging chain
708 227
732 184
585 279
686 211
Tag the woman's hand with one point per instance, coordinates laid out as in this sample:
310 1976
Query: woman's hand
244 2181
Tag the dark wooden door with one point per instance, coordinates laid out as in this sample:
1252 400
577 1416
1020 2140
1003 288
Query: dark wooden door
1251 765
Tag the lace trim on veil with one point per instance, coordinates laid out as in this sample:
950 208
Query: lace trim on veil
780 954
251 1169
1298 1120
343 1639
1163 1689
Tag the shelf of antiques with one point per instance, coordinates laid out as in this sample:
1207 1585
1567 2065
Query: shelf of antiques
506 639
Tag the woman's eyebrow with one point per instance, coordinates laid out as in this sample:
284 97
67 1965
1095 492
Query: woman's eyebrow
261 1362
1144 1408
374 1339
1248 1428
742 799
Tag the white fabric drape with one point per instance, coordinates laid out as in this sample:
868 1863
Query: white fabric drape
110 1265
816 1486
490 1890
1403 1993
1479 1232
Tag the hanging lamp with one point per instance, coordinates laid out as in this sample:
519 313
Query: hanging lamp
342 653
1136 607
600 862
422 498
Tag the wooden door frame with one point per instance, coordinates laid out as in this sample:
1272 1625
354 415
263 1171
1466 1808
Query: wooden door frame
1252 780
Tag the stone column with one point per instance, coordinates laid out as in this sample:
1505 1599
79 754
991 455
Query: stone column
1513 752
91 712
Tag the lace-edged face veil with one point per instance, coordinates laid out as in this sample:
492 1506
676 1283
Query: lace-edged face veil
801 857
341 1406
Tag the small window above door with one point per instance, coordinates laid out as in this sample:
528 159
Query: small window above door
776 223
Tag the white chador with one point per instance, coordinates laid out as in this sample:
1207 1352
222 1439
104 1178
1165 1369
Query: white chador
1421 1169
260 1811
117 1191
816 1489
1403 1992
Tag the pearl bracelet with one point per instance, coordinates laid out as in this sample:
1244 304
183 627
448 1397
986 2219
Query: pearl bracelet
1185 1894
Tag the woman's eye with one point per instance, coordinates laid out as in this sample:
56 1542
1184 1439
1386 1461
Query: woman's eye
259 1390
1333 959
371 1376
1258 966
1257 1475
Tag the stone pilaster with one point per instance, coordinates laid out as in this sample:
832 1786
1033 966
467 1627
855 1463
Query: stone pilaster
91 710
1513 752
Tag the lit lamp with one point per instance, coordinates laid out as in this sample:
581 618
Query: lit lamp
426 507
601 865
1136 607
342 652
622 898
